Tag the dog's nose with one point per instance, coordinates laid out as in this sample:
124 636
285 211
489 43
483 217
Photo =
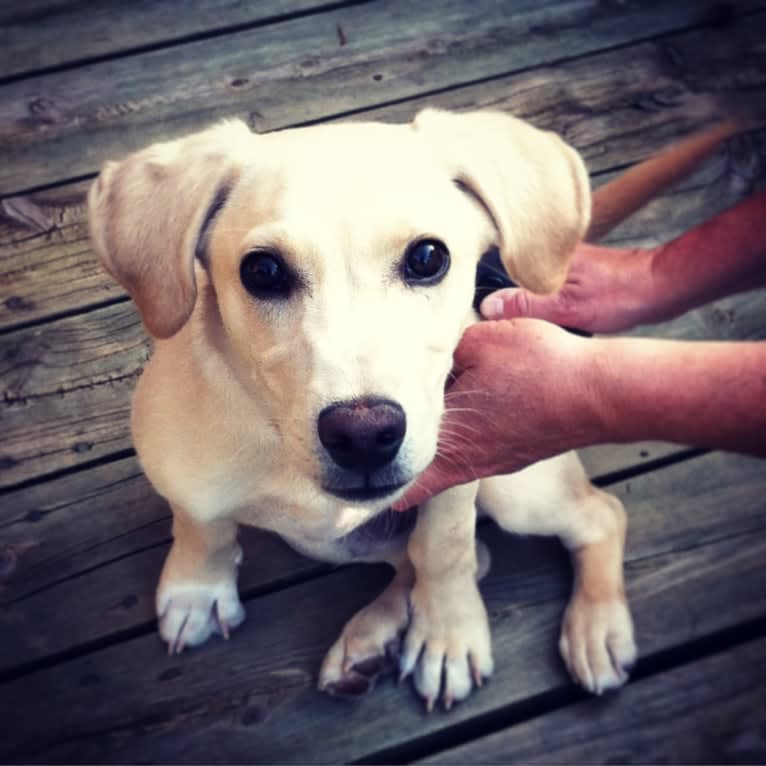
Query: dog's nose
363 434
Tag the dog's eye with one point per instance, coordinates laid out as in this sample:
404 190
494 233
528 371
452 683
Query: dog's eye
425 262
265 275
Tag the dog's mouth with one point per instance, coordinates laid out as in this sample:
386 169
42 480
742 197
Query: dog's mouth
366 493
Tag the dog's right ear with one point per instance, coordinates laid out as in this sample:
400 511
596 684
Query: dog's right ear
150 213
534 187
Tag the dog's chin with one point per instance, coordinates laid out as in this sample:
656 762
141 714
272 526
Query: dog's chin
370 488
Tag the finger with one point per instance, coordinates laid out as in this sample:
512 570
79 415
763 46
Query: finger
514 302
436 478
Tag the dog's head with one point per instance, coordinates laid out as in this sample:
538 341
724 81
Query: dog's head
332 268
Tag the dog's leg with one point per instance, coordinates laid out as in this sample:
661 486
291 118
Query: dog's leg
449 634
555 497
197 594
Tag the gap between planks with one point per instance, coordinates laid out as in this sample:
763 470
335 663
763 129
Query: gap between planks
527 39
147 28
457 744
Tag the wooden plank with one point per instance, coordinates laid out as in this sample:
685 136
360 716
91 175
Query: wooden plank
53 33
106 533
66 384
67 387
66 124
711 711
47 266
58 530
601 102
619 106
602 460
62 529
253 698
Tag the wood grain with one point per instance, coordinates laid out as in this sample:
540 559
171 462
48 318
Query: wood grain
616 107
66 388
710 711
253 698
51 33
47 266
66 124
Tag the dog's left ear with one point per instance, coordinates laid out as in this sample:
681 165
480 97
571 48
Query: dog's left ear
532 184
149 215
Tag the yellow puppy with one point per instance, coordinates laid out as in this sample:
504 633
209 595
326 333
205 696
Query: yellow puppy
306 290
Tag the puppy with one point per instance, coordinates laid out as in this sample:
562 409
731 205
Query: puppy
305 290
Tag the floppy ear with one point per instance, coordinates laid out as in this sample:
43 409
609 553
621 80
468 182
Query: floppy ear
150 214
533 186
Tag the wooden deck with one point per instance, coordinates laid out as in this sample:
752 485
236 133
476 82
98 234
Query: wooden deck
83 674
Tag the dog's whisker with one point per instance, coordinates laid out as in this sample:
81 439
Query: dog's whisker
465 429
470 410
481 417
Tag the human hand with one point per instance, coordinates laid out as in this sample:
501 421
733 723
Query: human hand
521 392
606 290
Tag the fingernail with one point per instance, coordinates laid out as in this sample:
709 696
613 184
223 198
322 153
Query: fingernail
492 308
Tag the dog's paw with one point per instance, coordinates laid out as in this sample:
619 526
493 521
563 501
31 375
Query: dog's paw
447 648
597 643
190 613
368 645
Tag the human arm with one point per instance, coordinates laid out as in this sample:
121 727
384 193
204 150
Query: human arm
525 390
612 289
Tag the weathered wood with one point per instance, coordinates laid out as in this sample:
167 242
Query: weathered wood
57 530
47 265
120 596
617 107
51 33
711 711
253 698
65 124
103 532
620 106
604 459
66 388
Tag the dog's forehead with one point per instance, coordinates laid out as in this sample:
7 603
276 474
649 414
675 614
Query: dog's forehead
363 177
345 160
337 188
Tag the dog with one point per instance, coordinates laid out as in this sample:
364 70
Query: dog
305 290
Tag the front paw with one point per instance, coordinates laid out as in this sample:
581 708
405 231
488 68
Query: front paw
189 613
448 647
368 645
597 642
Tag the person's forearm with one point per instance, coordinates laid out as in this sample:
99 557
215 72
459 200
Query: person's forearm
702 394
723 256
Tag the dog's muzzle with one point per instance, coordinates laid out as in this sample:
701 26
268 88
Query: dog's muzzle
362 437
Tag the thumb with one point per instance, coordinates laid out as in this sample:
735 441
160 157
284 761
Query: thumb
436 478
512 302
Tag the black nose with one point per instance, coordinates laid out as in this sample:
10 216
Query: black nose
363 434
